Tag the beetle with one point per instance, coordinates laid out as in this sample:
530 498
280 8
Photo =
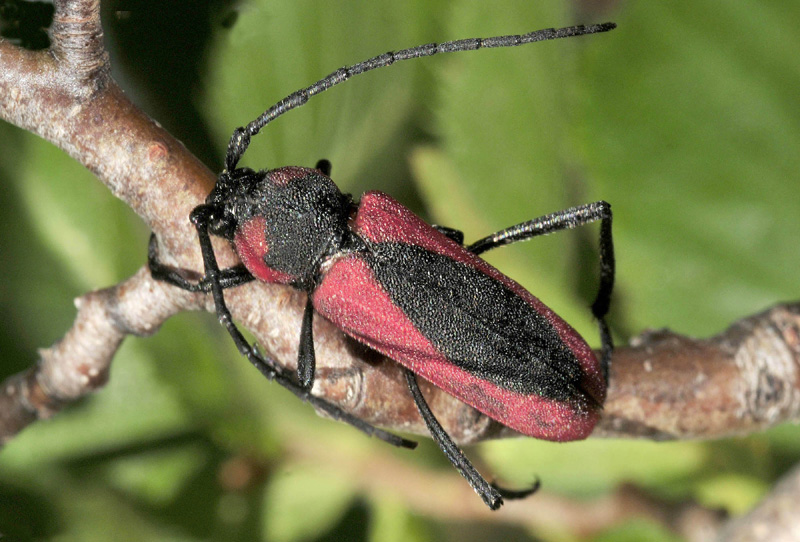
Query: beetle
412 291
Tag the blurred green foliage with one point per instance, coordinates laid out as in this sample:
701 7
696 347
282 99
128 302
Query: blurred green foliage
685 118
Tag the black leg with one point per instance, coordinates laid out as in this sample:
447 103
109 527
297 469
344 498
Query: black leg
603 299
324 166
306 359
452 233
229 277
200 218
491 494
563 220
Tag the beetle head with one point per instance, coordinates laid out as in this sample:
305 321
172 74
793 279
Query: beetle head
221 202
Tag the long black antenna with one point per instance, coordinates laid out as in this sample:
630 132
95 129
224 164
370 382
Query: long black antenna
240 139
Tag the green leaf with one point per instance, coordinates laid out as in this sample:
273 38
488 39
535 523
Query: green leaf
738 494
392 522
158 476
303 503
637 531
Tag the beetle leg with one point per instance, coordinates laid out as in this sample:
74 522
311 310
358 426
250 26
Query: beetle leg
228 278
451 233
517 494
306 359
490 495
324 166
603 299
564 220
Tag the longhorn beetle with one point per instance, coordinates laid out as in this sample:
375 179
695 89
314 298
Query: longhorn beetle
409 290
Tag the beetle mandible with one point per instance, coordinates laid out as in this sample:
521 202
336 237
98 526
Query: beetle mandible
412 291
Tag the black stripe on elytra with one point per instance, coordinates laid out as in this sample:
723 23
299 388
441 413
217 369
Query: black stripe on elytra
478 323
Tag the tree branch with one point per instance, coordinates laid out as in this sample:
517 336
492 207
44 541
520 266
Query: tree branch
79 363
663 386
746 379
77 44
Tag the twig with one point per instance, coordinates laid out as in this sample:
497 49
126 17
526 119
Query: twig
744 380
79 363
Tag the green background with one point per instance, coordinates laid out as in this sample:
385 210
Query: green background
685 118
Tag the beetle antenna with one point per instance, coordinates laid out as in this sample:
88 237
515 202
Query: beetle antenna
240 139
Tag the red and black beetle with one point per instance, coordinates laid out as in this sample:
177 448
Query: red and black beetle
409 290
